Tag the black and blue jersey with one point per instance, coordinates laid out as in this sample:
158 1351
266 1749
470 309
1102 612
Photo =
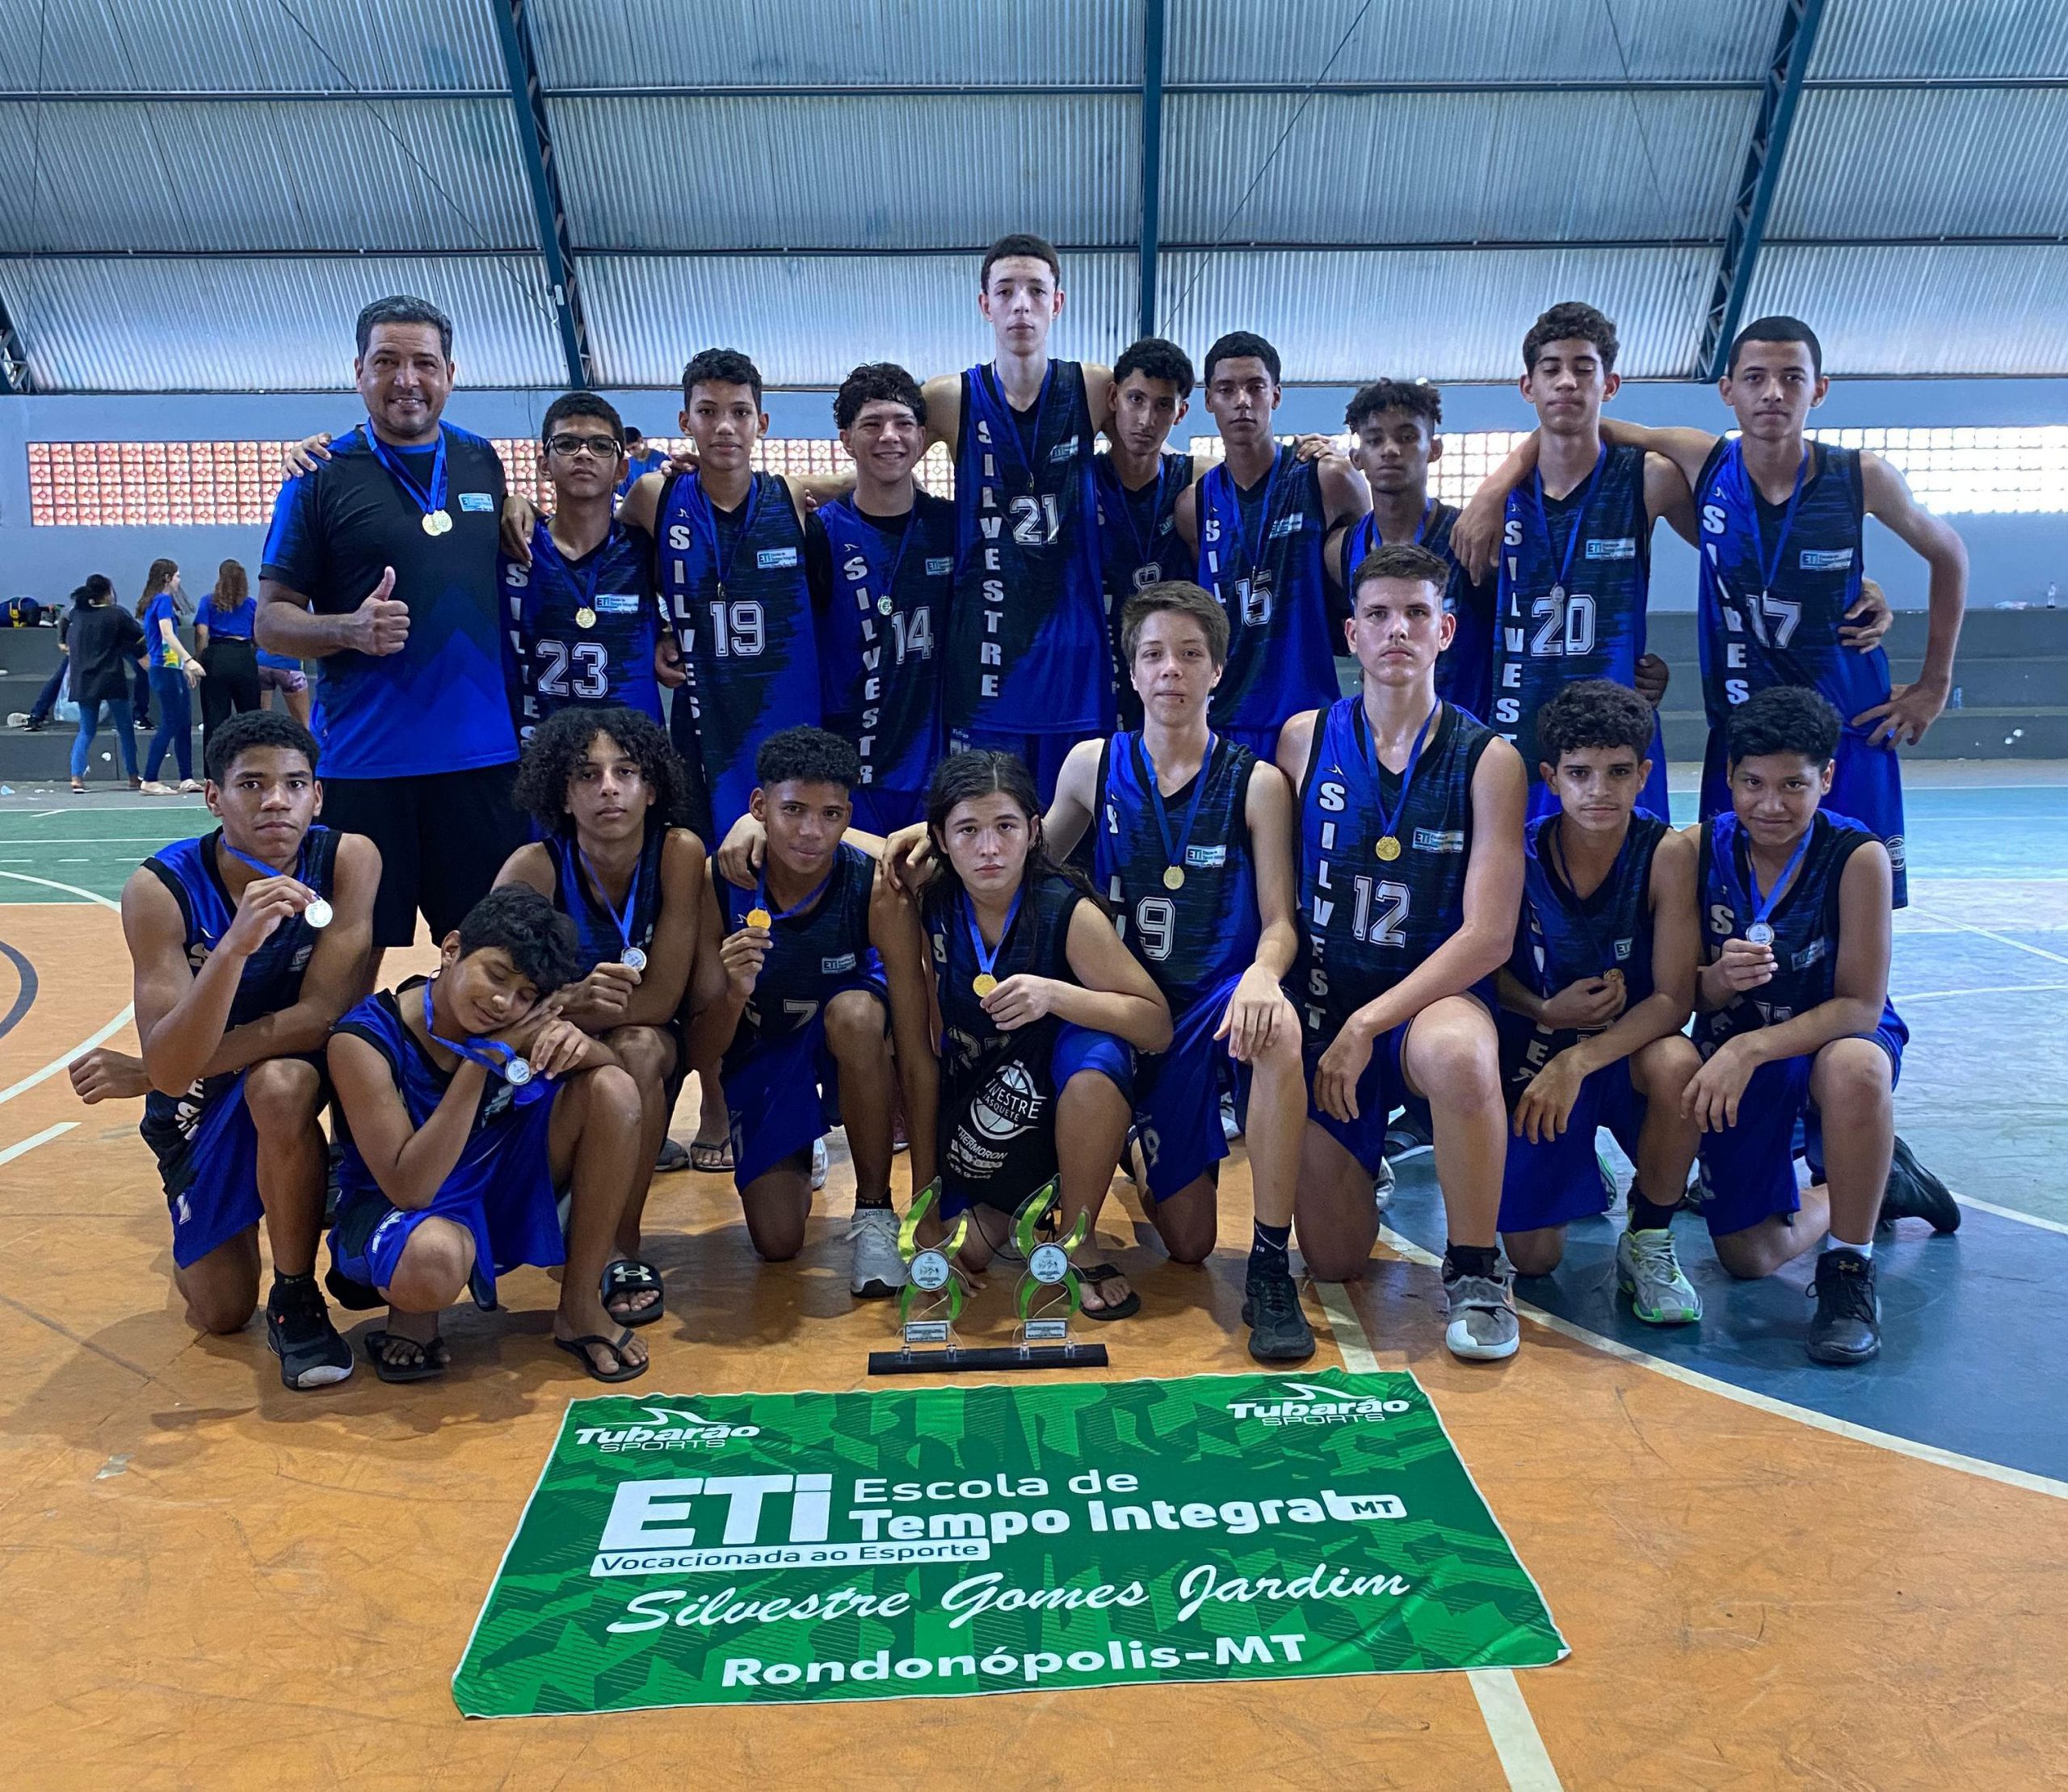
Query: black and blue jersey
1027 647
1575 576
1191 940
564 662
738 598
1260 555
811 956
1804 921
1370 921
1464 670
442 704
1139 546
883 638
575 895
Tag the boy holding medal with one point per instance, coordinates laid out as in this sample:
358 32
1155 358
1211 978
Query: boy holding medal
472 1102
248 943
603 786
1410 878
1793 1021
791 990
584 612
1593 999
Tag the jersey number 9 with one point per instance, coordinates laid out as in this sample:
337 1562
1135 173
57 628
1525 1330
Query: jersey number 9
1156 925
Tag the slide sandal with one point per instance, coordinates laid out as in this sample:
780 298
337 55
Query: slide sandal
629 1276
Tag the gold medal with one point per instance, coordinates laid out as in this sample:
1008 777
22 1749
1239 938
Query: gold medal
1613 976
1174 877
983 983
1388 849
585 617
438 521
759 918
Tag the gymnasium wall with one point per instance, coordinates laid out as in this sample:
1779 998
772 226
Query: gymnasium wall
2014 557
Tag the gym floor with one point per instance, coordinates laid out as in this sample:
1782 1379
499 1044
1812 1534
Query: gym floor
1768 1574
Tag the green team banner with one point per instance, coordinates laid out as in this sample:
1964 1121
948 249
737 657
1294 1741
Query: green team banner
784 1548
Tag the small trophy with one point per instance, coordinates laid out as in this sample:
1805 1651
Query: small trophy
1048 1291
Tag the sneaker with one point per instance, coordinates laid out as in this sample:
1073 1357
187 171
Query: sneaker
1279 1331
1231 1123
1649 1272
1483 1326
1382 1187
818 1164
879 1270
19 718
1408 1136
1612 1197
299 1332
1699 1194
1915 1192
672 1156
1848 1327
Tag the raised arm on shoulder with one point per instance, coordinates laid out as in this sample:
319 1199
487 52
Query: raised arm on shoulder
1912 709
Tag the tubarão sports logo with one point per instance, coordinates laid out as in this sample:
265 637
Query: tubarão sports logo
1307 1405
666 1428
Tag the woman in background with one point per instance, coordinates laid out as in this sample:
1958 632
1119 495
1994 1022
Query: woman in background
174 671
222 636
103 641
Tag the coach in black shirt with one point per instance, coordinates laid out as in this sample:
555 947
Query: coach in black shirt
381 565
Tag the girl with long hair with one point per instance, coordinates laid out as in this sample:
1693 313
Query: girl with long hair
222 638
174 672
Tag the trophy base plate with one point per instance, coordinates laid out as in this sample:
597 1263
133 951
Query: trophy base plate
955 1360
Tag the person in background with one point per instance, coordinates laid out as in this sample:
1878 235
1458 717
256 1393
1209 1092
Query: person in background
278 672
38 717
639 460
105 640
173 672
222 638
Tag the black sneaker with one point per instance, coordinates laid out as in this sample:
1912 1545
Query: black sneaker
1408 1135
1279 1331
1913 1192
299 1332
1848 1327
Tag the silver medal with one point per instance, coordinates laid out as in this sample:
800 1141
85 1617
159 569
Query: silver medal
1759 934
517 1073
884 606
317 914
633 959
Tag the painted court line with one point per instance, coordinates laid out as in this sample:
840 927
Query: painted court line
1989 933
2012 1213
86 1045
1759 1403
1510 1727
34 1139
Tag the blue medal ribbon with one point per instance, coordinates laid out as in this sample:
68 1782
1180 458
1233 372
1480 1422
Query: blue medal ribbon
1769 569
545 548
1244 562
1174 851
1023 449
630 954
886 585
492 1055
760 900
316 912
1760 931
1390 820
987 978
705 520
1579 518
1143 546
1581 912
430 500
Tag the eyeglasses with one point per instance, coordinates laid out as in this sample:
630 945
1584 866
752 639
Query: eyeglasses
604 447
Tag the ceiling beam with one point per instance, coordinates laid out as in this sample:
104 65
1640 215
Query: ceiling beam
534 140
1758 180
14 358
1152 161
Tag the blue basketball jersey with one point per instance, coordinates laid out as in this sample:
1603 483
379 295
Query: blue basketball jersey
740 603
1139 546
1194 938
1260 555
1035 944
1572 602
1561 938
1370 921
271 978
811 956
1026 636
575 895
1804 921
883 639
1776 585
1464 670
566 662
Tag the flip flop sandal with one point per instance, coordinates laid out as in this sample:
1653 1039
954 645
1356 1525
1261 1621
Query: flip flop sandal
629 1276
672 1156
578 1347
1100 1273
429 1361
711 1158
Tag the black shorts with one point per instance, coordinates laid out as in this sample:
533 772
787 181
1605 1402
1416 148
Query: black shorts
442 838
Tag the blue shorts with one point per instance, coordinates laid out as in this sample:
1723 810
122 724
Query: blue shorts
1867 784
783 1097
208 1162
1558 1180
885 811
1750 1166
1381 1088
1177 1101
1026 1158
1042 754
507 1199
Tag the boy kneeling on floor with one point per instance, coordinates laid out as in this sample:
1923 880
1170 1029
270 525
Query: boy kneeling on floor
471 1102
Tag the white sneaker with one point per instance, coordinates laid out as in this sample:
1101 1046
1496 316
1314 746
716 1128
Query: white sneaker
18 718
1231 1125
818 1164
1483 1326
1382 1189
1647 1270
879 1271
